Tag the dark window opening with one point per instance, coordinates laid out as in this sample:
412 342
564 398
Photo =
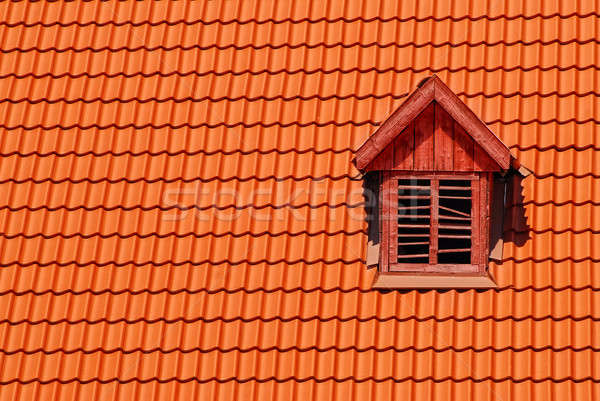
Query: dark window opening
452 221
414 220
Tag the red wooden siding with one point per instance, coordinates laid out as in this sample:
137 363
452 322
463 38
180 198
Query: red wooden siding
482 161
383 161
433 146
463 150
434 142
443 140
403 149
424 149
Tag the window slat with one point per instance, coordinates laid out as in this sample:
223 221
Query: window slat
457 188
455 211
451 250
414 187
444 217
414 197
402 225
418 255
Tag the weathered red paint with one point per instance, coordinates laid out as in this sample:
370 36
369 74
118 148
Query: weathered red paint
436 146
417 108
433 142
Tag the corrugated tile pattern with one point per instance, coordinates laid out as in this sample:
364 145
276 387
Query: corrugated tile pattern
180 217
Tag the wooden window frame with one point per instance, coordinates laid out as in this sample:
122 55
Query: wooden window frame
432 275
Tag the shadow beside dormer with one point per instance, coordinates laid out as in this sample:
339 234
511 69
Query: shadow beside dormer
516 228
371 202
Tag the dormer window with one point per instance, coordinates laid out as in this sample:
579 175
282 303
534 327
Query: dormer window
436 163
434 229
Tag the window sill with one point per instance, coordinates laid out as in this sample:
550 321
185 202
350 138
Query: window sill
431 280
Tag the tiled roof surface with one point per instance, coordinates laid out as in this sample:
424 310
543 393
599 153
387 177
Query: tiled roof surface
115 117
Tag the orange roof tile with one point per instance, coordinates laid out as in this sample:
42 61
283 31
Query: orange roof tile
242 118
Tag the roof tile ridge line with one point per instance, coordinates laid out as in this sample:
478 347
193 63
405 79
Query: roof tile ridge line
191 99
292 348
188 125
553 203
344 19
340 177
271 124
556 148
552 230
211 234
57 263
296 379
307 45
551 259
148 152
566 175
182 207
324 290
280 97
294 318
299 71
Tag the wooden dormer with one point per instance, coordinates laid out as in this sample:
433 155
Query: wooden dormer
453 126
436 162
434 141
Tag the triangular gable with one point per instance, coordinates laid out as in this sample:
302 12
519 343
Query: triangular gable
434 142
433 89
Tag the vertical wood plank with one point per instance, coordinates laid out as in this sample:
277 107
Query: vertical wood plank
483 161
388 158
475 221
404 149
434 222
424 139
463 149
443 139
383 161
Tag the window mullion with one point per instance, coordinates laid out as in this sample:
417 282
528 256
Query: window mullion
434 213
